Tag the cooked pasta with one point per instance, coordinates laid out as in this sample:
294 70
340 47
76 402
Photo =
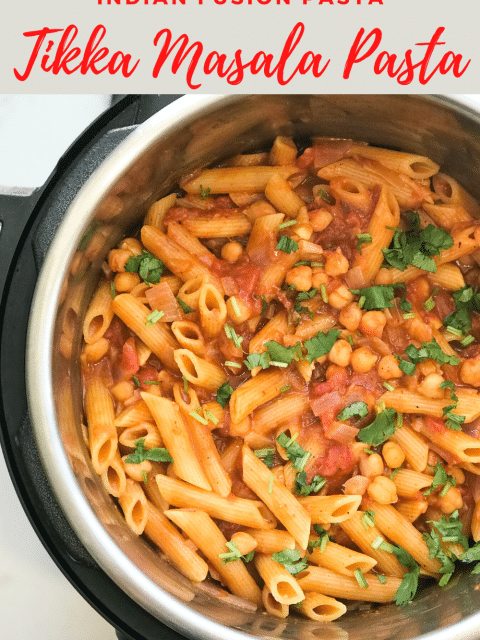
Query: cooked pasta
281 374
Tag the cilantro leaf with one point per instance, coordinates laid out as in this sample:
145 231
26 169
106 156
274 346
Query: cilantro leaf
368 519
409 585
301 487
184 306
321 543
257 360
435 548
417 246
306 295
407 367
223 394
294 451
378 297
440 479
430 350
234 554
266 455
204 192
359 409
155 454
466 301
279 353
291 560
380 429
454 421
451 529
472 554
321 344
148 267
363 238
286 244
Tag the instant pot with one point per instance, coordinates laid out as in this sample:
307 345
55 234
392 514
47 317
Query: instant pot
52 246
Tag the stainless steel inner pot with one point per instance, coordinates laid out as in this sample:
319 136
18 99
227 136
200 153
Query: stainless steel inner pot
193 132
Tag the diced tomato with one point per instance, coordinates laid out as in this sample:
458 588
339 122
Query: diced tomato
130 362
147 373
339 459
435 425
337 380
327 407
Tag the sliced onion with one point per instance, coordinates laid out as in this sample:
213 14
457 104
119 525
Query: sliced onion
341 432
161 297
230 286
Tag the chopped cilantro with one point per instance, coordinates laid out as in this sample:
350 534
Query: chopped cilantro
301 487
321 344
378 297
359 409
266 455
257 360
417 246
407 367
381 579
363 238
472 555
404 304
279 353
368 519
223 394
234 554
409 585
294 451
204 192
380 429
287 387
435 549
156 454
454 421
287 245
153 317
326 196
291 560
136 381
148 267
466 301
113 293
451 529
321 543
230 333
430 350
360 578
184 306
306 295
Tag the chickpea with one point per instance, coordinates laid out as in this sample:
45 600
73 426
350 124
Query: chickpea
388 368
232 251
244 541
95 351
320 219
133 245
363 360
393 455
371 465
319 277
126 281
301 277
259 209
430 386
350 316
340 353
372 323
332 370
123 390
336 263
419 330
383 277
428 367
382 490
340 297
118 258
356 486
451 501
244 311
470 371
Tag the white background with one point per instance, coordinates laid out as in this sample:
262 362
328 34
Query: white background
36 601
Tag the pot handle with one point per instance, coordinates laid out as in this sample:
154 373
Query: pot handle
16 207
